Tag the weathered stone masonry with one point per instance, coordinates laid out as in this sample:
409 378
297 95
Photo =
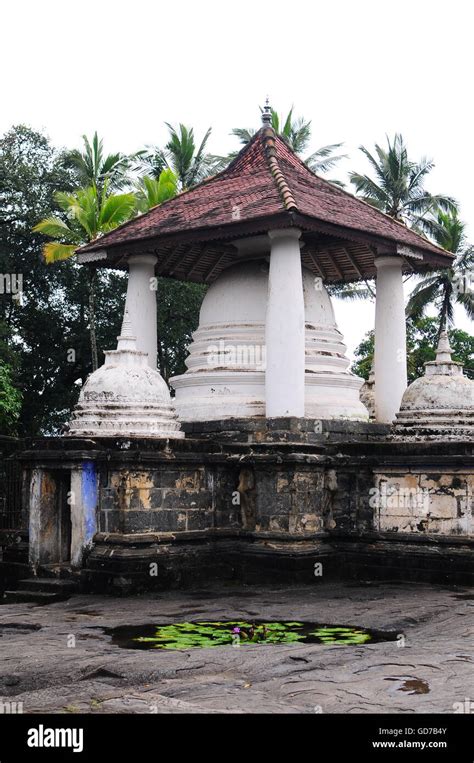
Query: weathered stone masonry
261 500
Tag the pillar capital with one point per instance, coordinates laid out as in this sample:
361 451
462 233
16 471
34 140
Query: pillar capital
142 259
284 233
388 260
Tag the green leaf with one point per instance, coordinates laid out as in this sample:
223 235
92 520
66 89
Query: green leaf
54 251
54 227
116 210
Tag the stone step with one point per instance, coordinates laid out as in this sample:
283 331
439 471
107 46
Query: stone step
36 597
19 569
48 585
18 551
10 573
55 571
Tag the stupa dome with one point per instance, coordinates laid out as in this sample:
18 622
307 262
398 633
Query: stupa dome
226 363
125 397
440 403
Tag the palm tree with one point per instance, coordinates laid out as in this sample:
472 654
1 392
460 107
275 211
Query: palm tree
445 288
151 191
190 163
398 186
352 290
94 167
89 213
296 132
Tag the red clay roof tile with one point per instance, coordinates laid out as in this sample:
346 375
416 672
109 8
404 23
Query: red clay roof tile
265 179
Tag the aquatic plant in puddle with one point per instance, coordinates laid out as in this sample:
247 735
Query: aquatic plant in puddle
190 635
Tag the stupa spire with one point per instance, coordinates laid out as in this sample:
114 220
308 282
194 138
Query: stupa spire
443 351
126 340
443 363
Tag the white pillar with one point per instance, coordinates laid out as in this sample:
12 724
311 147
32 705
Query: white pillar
390 338
141 303
285 327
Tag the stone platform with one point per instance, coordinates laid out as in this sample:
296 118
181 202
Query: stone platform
254 500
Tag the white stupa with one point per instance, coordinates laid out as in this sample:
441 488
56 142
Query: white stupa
225 374
125 397
440 404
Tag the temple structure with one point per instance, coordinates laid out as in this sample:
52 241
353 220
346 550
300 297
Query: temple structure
265 461
268 208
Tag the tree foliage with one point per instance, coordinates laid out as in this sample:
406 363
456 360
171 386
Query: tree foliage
422 340
152 191
444 288
10 401
87 214
93 167
46 330
397 186
189 161
296 132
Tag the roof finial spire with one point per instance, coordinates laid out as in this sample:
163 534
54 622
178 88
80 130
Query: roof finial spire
267 113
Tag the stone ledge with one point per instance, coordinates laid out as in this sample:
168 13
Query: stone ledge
292 429
120 567
401 537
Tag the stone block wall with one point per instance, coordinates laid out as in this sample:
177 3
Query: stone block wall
158 499
289 499
423 501
259 496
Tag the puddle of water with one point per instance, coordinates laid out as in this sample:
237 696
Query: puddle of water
411 685
205 633
415 686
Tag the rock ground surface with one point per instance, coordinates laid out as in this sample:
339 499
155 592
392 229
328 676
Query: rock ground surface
434 670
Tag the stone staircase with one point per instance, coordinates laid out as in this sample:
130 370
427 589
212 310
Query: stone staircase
13 559
54 586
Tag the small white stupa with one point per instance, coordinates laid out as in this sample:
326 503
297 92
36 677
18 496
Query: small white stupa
226 363
125 397
440 404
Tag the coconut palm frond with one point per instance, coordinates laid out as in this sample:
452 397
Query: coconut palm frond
244 134
151 191
93 166
54 251
421 297
324 158
397 185
349 291
466 300
56 228
115 210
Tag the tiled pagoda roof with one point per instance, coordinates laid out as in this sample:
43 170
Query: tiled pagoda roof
265 186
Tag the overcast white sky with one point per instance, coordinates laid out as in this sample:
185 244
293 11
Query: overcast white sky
358 70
